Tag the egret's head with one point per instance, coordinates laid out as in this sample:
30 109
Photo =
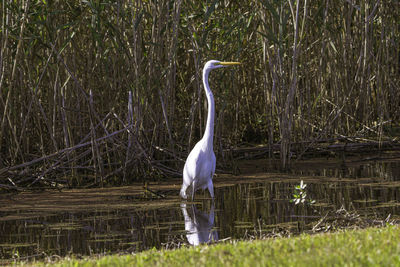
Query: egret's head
215 64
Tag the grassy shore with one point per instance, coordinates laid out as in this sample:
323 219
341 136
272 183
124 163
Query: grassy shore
368 247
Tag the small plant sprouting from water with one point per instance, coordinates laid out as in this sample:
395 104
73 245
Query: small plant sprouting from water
300 195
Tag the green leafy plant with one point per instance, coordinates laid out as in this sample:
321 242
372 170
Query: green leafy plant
300 194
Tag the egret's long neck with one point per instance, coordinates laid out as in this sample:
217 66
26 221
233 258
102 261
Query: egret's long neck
209 132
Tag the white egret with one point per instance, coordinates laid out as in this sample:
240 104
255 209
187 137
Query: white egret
200 164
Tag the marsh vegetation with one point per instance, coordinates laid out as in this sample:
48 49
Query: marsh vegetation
109 92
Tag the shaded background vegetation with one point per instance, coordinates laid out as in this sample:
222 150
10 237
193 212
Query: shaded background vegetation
112 89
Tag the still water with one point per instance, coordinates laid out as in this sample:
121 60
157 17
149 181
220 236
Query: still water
87 222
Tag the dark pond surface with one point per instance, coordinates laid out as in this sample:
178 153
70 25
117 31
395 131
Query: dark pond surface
246 207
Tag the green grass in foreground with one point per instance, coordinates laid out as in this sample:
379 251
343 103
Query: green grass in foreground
369 247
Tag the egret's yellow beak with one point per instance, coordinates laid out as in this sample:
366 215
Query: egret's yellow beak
229 63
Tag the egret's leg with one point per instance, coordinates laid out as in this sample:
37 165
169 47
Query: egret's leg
193 189
211 188
183 191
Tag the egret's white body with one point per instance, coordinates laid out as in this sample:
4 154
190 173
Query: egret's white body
200 164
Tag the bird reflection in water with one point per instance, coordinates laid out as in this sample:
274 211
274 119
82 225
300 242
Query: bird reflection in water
199 224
